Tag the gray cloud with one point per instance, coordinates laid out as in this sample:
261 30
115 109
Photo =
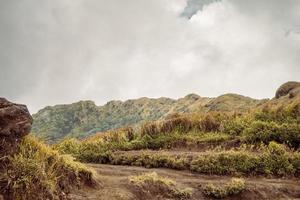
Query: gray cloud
61 51
193 6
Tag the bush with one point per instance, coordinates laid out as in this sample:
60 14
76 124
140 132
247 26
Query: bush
208 138
235 126
295 161
273 159
234 187
226 162
68 146
266 132
210 123
276 160
150 128
38 172
149 160
279 114
182 124
151 184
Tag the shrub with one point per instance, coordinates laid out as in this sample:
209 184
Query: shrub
129 132
210 123
150 128
91 151
38 172
276 160
225 162
207 137
279 114
151 184
234 187
272 159
295 161
235 126
149 160
266 132
182 124
120 135
68 146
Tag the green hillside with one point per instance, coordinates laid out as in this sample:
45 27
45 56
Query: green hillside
84 118
263 141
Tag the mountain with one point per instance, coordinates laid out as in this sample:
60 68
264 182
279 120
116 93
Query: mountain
84 118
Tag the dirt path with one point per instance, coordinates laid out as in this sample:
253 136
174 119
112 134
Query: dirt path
115 186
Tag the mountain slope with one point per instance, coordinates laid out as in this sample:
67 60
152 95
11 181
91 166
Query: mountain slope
84 118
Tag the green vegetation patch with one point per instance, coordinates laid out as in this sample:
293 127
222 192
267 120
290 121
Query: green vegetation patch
234 187
274 133
274 159
151 184
38 172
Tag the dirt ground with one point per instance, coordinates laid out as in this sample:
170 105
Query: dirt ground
114 184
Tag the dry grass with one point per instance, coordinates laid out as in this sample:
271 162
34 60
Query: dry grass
152 185
38 172
234 187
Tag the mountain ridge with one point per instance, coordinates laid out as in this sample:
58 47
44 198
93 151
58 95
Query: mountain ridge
84 118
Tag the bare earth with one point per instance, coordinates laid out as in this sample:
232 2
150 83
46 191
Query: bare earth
114 184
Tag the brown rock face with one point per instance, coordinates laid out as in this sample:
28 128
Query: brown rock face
291 88
15 123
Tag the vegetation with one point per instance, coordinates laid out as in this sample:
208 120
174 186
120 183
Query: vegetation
151 184
84 118
38 172
263 141
273 159
234 187
257 138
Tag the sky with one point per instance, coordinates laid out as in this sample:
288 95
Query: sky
62 51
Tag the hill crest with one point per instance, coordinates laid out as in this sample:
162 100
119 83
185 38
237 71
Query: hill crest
85 118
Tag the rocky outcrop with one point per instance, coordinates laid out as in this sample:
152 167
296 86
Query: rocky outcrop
15 123
291 88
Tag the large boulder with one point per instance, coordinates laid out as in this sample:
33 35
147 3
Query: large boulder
291 88
15 123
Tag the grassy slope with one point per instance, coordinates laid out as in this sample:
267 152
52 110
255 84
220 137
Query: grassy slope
85 118
38 172
263 141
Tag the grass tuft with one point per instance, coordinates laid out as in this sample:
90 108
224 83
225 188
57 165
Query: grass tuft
154 185
38 172
234 187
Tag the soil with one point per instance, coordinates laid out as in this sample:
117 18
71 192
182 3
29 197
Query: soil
114 185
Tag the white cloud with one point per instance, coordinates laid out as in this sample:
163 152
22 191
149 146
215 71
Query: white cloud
61 51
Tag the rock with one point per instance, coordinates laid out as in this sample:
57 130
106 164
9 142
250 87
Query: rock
291 88
295 92
192 96
15 123
15 119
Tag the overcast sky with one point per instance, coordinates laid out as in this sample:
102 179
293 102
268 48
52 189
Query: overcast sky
63 51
